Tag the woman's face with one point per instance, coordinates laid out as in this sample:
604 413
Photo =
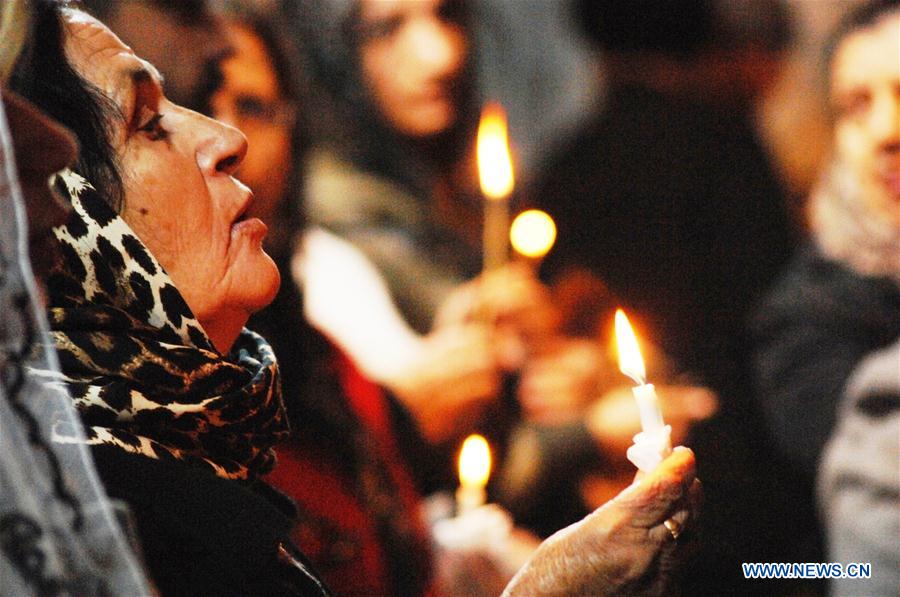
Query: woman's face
250 100
180 196
413 54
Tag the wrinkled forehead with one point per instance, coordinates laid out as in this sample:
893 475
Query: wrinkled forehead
98 54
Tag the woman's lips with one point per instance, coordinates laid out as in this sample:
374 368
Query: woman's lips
253 227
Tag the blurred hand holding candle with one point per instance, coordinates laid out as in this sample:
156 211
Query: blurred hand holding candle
495 174
653 443
481 537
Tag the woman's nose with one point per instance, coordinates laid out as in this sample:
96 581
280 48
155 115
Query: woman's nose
438 47
222 148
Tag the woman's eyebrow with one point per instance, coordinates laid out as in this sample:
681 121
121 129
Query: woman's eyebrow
143 77
144 83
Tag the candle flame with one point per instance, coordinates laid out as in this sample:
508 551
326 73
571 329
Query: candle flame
532 233
630 361
495 170
474 462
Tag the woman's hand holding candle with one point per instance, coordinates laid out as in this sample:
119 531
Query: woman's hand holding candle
453 379
624 547
513 303
509 293
558 385
479 549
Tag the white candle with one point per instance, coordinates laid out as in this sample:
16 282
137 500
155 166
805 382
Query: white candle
654 442
648 407
495 174
496 224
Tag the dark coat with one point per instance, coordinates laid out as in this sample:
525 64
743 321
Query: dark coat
204 535
812 331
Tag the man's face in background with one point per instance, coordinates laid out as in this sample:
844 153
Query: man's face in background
865 93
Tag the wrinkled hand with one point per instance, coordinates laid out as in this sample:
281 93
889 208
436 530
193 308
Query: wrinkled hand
613 420
622 547
455 377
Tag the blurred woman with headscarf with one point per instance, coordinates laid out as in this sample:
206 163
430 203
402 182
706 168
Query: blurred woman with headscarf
59 532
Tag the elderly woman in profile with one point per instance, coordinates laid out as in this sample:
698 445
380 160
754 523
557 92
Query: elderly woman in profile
159 272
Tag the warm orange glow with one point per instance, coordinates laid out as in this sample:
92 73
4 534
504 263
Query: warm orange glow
495 170
474 462
630 361
532 233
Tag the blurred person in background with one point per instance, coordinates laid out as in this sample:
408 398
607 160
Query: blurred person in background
858 482
183 40
357 508
834 314
668 201
390 187
347 463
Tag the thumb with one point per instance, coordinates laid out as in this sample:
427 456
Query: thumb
650 500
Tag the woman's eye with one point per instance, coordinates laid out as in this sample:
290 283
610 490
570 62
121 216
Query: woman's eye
151 124
251 107
853 105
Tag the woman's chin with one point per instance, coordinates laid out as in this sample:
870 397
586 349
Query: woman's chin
252 285
263 289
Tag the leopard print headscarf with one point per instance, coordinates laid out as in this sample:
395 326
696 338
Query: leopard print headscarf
141 370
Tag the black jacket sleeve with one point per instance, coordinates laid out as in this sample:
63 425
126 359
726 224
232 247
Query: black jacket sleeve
813 329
